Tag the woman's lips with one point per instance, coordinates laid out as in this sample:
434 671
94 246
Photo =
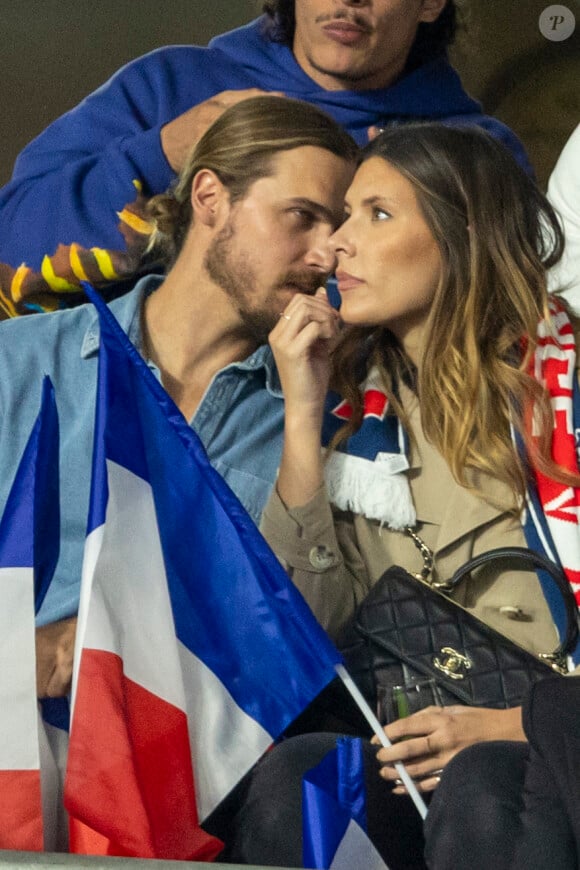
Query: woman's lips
344 281
344 32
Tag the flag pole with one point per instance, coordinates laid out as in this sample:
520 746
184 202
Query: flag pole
376 726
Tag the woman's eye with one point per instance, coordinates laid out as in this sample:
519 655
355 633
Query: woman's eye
379 214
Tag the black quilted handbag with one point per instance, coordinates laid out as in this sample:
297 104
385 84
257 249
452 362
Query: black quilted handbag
406 628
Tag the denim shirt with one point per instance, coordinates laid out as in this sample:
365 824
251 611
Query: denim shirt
239 420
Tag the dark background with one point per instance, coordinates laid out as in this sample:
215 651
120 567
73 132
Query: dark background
54 52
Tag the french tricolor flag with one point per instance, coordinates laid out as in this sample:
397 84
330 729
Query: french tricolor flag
194 649
334 812
29 546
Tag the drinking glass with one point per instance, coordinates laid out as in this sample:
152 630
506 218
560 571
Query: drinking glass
397 702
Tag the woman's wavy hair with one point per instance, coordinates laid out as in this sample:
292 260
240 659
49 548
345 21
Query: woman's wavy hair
432 38
497 234
239 147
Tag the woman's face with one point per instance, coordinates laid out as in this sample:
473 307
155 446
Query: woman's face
389 263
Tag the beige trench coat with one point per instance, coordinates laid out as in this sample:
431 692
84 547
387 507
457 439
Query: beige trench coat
335 557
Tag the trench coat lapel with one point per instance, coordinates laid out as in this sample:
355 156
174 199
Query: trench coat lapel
466 511
456 510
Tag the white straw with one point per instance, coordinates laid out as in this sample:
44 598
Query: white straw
376 726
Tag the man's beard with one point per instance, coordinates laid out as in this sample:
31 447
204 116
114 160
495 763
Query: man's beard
236 275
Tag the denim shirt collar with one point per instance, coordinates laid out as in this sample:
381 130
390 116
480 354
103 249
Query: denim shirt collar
127 310
262 358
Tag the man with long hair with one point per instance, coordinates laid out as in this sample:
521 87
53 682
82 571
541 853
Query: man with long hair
246 228
74 207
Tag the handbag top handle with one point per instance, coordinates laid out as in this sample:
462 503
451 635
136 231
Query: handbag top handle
531 559
536 561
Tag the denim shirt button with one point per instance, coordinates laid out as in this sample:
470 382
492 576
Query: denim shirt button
321 558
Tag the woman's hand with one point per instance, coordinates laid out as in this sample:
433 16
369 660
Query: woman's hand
301 343
426 741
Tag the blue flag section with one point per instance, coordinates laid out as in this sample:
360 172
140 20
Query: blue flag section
334 812
233 605
30 524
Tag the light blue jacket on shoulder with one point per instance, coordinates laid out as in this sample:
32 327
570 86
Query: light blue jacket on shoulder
239 420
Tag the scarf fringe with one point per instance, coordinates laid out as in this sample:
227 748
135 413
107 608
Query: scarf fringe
368 488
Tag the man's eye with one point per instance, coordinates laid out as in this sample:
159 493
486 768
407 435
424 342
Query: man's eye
304 217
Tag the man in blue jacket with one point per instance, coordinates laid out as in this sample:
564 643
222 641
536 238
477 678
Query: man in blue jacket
247 227
74 208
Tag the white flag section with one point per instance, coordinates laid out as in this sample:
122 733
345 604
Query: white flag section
177 677
28 552
356 850
21 825
334 812
194 650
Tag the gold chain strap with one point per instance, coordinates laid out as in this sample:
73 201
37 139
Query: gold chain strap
426 553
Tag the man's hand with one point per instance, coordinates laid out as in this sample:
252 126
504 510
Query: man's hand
54 658
180 135
374 131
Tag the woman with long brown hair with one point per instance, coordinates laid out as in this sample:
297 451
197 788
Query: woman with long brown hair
450 423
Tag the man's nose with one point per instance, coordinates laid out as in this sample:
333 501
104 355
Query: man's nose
321 255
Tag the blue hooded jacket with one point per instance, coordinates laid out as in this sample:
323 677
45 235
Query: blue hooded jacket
71 211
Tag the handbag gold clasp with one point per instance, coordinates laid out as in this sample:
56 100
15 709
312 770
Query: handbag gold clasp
454 665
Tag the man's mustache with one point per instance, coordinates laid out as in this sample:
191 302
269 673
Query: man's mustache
345 16
304 282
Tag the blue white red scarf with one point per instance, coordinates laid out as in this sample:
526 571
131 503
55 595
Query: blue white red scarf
552 519
366 475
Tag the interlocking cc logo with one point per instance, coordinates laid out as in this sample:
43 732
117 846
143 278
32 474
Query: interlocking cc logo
452 663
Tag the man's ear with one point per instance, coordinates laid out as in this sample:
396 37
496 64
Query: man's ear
207 195
431 10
